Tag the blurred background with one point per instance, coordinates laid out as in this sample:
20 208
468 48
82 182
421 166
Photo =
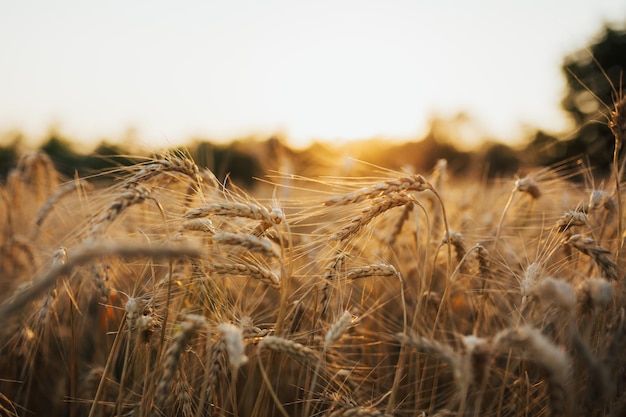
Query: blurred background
489 85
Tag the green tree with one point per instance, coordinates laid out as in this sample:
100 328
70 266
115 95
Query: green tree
594 78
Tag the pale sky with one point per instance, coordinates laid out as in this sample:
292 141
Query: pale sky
340 69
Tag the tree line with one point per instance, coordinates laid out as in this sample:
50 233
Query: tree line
594 84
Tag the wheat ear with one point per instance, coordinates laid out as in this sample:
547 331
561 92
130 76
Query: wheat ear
330 275
373 270
358 412
60 192
572 219
259 273
332 335
458 242
230 209
444 353
337 329
131 196
594 293
409 183
250 242
233 341
600 255
199 225
524 185
167 165
397 227
378 207
188 328
294 349
552 359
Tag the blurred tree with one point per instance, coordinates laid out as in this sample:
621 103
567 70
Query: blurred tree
594 78
65 159
500 160
9 154
106 156
226 161
545 149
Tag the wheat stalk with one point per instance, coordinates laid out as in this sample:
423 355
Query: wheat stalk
86 253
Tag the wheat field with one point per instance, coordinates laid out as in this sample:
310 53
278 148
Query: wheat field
168 293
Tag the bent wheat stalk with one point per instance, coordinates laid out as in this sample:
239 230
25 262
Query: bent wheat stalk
82 255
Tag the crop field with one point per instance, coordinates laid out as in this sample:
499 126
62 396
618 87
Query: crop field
375 293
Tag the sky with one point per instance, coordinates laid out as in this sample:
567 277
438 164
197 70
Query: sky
308 70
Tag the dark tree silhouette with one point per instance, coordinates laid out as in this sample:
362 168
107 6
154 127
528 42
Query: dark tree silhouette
65 159
594 78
